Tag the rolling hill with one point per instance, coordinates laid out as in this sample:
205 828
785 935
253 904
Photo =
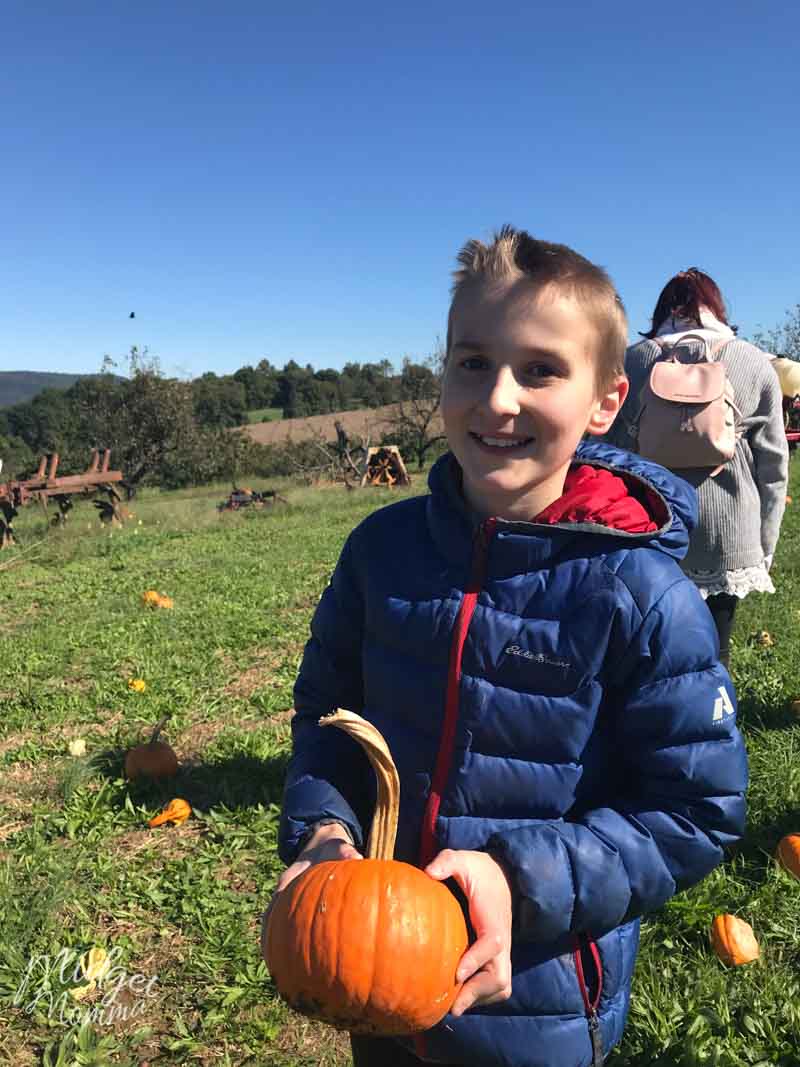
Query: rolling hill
18 386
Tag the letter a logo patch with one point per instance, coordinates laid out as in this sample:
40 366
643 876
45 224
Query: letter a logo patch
722 705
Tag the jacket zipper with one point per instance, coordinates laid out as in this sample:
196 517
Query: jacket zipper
591 1006
444 757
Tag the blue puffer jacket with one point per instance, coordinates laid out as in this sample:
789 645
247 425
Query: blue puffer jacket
583 733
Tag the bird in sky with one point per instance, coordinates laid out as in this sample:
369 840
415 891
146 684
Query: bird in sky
132 315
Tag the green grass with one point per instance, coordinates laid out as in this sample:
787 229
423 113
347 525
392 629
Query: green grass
265 414
180 905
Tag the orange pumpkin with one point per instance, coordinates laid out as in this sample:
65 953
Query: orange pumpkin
372 945
177 811
155 759
788 854
733 940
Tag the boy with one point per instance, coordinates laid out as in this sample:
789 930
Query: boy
546 678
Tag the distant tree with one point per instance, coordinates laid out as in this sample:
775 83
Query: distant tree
260 384
286 394
783 340
329 393
377 387
248 378
267 384
328 374
219 401
415 426
46 423
147 421
17 458
419 380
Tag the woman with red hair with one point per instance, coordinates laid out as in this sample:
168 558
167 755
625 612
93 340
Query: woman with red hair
740 505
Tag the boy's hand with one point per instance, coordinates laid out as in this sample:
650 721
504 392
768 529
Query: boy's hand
488 959
329 842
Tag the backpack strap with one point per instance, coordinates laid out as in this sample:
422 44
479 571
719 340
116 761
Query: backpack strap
709 351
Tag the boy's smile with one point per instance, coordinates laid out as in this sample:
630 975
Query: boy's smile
519 393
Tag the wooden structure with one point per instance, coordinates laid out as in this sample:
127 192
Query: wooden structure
47 484
384 466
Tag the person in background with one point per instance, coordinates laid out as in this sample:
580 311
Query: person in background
741 507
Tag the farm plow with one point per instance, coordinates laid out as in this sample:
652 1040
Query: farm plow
47 485
250 498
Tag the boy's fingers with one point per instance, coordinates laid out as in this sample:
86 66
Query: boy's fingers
485 969
335 849
445 865
488 947
488 986
292 872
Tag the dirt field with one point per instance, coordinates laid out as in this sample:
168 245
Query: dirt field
372 421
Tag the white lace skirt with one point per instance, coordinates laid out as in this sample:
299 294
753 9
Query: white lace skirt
733 583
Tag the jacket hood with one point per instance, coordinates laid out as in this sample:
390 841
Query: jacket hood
670 501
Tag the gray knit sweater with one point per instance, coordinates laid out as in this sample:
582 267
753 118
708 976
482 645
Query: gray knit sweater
742 507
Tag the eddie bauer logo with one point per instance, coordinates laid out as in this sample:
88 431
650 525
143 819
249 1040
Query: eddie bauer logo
536 657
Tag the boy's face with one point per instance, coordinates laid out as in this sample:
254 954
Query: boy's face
519 392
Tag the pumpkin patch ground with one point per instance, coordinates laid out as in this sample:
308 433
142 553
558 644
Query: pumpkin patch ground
179 905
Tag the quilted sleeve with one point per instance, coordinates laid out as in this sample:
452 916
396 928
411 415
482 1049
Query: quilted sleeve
684 769
770 450
328 775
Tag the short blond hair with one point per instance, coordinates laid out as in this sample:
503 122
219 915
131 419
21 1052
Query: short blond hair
515 254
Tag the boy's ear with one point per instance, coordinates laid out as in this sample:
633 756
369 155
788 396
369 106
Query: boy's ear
608 406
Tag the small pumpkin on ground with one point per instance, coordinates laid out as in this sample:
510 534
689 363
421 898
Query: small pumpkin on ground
177 811
733 940
370 945
155 759
151 598
788 854
95 963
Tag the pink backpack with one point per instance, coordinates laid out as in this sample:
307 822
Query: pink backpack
687 415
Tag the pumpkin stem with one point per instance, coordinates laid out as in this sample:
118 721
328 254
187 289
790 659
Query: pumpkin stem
159 727
382 834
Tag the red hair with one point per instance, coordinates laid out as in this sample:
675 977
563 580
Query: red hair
684 295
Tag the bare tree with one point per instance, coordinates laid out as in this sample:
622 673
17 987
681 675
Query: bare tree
783 340
416 426
340 461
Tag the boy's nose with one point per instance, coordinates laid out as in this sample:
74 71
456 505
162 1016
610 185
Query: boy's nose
503 398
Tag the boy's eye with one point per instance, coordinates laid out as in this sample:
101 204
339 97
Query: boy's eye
540 370
473 363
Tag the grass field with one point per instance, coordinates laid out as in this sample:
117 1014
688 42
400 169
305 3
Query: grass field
265 415
178 907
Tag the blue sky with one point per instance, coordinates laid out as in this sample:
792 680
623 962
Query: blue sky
294 181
